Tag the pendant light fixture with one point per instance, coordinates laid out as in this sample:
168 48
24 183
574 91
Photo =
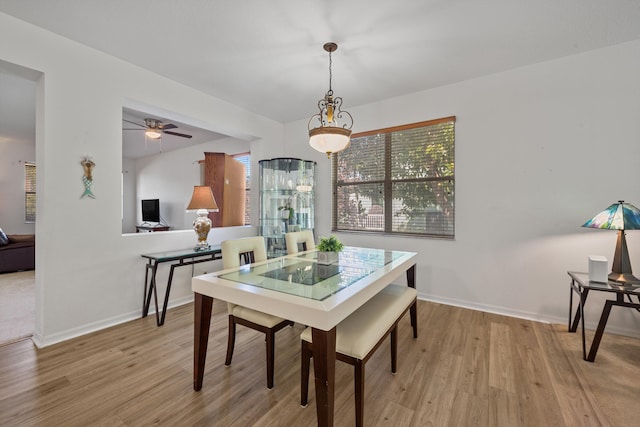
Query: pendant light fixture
330 129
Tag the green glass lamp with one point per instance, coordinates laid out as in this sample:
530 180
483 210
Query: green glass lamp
620 216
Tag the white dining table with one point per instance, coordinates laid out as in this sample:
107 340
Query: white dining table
298 288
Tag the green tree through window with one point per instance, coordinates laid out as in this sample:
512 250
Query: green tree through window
398 180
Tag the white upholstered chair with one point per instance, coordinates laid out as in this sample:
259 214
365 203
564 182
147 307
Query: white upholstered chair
250 249
298 239
360 334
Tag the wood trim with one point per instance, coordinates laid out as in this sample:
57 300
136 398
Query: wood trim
405 127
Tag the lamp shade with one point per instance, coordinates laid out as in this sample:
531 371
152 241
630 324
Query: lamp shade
202 198
618 216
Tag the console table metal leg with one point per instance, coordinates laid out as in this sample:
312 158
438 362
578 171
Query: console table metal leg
572 289
151 288
166 295
601 325
573 322
583 299
145 307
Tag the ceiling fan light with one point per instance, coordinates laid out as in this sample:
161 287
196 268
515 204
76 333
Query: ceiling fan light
153 133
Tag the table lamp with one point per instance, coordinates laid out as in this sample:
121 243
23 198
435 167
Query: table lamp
203 202
620 216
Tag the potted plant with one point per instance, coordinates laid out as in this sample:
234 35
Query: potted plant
328 249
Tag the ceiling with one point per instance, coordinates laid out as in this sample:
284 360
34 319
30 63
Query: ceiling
267 56
135 145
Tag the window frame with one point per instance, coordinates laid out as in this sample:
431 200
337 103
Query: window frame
387 185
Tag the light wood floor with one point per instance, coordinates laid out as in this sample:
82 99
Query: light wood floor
467 368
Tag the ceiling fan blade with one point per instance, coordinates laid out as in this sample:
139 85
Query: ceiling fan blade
183 135
131 129
134 123
169 126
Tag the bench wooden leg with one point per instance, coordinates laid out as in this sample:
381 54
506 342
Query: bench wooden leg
305 356
231 340
271 343
394 349
413 312
359 391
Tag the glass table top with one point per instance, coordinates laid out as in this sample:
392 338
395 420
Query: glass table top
183 253
611 286
302 276
360 256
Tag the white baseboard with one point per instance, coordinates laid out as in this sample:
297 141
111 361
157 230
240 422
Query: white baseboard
536 317
58 337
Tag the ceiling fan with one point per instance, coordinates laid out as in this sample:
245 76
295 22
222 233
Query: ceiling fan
155 128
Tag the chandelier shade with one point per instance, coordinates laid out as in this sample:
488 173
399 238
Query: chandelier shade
329 139
330 129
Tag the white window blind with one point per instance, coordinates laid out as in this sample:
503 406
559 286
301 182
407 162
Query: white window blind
29 192
397 180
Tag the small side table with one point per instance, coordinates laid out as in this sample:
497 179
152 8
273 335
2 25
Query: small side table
581 285
184 257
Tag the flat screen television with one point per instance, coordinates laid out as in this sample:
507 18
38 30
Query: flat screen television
151 210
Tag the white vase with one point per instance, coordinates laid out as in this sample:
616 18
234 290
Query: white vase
327 257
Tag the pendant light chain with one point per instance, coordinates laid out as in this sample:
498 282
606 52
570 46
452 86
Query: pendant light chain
330 90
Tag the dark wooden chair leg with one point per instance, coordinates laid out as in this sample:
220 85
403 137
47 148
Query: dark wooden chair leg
231 342
305 356
394 349
271 343
413 312
359 391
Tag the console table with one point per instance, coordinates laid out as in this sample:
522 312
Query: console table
188 256
581 285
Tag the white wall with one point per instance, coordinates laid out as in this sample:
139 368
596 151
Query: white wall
129 199
88 274
15 150
539 150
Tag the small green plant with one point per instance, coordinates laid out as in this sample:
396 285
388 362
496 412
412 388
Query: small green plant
329 244
287 208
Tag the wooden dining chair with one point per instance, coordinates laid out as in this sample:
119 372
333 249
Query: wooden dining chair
299 241
250 249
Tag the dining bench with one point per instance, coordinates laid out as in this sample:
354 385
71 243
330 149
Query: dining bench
361 333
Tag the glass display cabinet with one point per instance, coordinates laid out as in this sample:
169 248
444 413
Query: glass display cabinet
287 200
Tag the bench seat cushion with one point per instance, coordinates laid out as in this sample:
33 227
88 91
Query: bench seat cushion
360 332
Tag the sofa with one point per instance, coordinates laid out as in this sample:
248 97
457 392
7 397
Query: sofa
17 252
